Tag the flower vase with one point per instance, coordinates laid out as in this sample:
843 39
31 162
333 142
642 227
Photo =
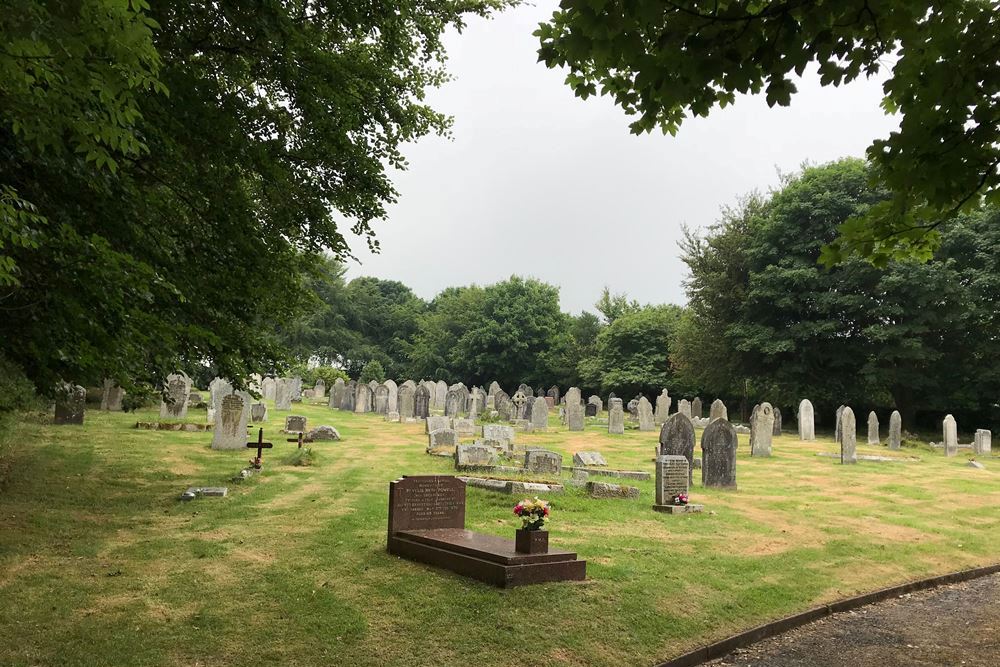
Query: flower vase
528 541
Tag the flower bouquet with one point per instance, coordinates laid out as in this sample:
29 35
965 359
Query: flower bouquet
680 499
534 513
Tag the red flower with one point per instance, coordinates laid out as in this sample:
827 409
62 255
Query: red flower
546 511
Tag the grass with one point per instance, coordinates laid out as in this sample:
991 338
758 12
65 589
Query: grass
101 565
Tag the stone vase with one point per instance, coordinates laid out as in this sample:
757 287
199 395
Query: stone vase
528 541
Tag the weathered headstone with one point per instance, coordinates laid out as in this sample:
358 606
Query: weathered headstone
718 455
542 461
217 389
554 394
434 422
597 403
464 426
454 403
441 394
267 388
175 403
950 436
350 396
684 407
406 399
258 412
662 407
761 430
574 409
111 396
441 439
363 398
776 430
807 421
296 386
323 432
283 394
895 430
873 435
337 393
645 413
718 410
295 424
231 417
319 389
982 445
504 406
472 456
696 409
540 415
673 477
590 410
848 436
837 431
71 401
499 433
677 438
587 459
616 417
381 399
422 402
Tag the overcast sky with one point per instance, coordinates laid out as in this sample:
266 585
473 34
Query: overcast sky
538 183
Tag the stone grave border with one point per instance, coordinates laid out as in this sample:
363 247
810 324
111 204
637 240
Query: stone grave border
752 636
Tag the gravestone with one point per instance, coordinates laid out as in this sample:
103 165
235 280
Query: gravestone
283 394
950 436
175 403
337 393
696 409
111 396
350 396
837 432
435 422
761 430
258 412
406 402
422 402
464 426
71 401
574 409
540 415
363 398
322 433
982 444
718 455
895 430
589 459
499 433
662 407
645 411
717 411
231 417
848 436
520 401
633 409
505 408
554 394
319 389
472 456
441 393
295 424
296 385
381 399
673 477
217 389
590 410
777 423
454 403
616 417
529 406
684 407
807 421
267 388
426 502
677 438
873 435
597 403
392 401
542 461
443 439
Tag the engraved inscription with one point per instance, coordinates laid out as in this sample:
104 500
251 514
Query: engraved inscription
428 502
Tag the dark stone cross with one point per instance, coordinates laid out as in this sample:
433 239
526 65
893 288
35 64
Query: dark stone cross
260 446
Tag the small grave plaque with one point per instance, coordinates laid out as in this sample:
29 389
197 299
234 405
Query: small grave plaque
295 424
425 502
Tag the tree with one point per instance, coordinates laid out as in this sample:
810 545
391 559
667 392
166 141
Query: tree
663 62
384 315
372 371
189 245
613 307
633 352
449 315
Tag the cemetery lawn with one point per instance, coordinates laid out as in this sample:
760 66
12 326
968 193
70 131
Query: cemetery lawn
100 564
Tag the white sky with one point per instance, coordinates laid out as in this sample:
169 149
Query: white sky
538 183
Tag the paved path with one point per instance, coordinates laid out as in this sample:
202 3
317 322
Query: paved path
955 625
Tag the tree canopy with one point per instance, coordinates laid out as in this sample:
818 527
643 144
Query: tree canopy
663 62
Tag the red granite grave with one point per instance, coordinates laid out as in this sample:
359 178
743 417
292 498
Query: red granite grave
427 524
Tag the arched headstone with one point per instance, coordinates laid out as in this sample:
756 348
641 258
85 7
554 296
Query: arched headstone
718 455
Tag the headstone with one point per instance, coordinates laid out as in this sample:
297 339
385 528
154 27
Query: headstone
406 401
633 409
588 459
111 396
381 399
761 430
520 402
231 417
677 438
776 431
837 432
554 394
895 430
453 405
807 422
308 393
71 401
392 402
295 424
258 412
319 389
217 389
175 404
541 461
616 417
322 433
350 396
590 410
596 402
267 388
574 409
499 433
684 407
363 398
337 393
540 415
696 409
950 436
673 477
283 390
848 436
662 407
529 406
505 408
296 383
441 440
441 394
434 422
422 402
873 435
645 411
426 502
467 456
464 426
982 445
718 410
718 455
